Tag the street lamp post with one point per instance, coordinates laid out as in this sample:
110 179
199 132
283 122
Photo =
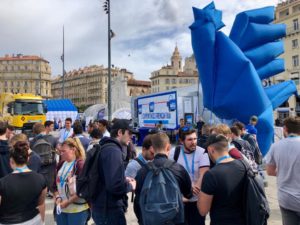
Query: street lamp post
106 7
63 65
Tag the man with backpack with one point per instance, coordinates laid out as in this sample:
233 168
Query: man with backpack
251 140
42 144
196 162
143 158
108 204
244 147
160 186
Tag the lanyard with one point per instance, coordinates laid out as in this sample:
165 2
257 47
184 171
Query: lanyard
142 159
63 178
66 134
219 160
187 163
21 169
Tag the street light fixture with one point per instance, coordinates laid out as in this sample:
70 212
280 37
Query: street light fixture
111 34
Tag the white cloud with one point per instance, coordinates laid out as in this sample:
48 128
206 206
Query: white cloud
146 30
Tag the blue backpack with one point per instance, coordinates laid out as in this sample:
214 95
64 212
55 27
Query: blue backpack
161 199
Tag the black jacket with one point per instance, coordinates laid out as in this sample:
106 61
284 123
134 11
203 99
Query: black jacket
112 183
179 172
4 159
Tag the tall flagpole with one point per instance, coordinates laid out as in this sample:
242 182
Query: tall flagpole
63 61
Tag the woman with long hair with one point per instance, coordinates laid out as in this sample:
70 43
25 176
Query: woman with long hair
70 208
22 193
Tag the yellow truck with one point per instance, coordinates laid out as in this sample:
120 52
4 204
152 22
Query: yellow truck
22 110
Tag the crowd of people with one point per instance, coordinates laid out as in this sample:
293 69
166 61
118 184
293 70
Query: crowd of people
204 173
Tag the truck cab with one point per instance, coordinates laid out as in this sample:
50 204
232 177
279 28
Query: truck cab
22 111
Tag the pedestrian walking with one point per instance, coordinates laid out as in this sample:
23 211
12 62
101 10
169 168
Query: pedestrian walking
283 162
222 186
108 207
22 192
196 162
70 208
178 178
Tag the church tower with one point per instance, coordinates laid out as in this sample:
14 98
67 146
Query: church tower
176 59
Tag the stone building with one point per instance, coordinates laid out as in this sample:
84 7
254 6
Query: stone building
25 74
288 12
88 86
175 75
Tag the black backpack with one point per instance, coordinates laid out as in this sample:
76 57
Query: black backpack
255 204
245 148
160 198
87 181
256 150
44 149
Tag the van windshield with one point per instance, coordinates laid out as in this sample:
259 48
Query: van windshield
29 108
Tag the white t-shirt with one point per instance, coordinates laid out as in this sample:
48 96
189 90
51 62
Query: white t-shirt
106 134
285 155
194 161
64 134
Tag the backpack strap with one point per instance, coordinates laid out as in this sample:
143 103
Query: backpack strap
237 144
248 169
139 161
177 153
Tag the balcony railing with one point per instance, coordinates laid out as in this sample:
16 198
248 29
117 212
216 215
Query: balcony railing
292 30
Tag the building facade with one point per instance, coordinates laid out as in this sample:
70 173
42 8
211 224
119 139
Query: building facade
288 12
88 86
25 74
175 75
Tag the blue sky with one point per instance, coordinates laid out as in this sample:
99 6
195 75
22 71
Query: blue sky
146 31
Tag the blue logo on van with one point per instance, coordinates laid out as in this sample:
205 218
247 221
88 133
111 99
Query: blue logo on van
140 109
151 107
171 103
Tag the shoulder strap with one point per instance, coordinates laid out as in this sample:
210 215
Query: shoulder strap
237 144
139 161
248 169
177 153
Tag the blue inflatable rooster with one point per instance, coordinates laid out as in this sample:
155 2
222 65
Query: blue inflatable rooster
232 68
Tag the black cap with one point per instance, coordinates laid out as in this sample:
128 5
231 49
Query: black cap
123 124
215 138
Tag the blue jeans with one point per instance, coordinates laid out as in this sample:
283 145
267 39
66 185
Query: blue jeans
72 218
112 217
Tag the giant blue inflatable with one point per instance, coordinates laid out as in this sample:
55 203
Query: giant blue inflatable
231 68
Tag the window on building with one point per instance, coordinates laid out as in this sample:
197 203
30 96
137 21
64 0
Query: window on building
167 81
295 43
284 13
296 24
5 90
25 90
295 60
25 83
18 83
5 84
174 81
